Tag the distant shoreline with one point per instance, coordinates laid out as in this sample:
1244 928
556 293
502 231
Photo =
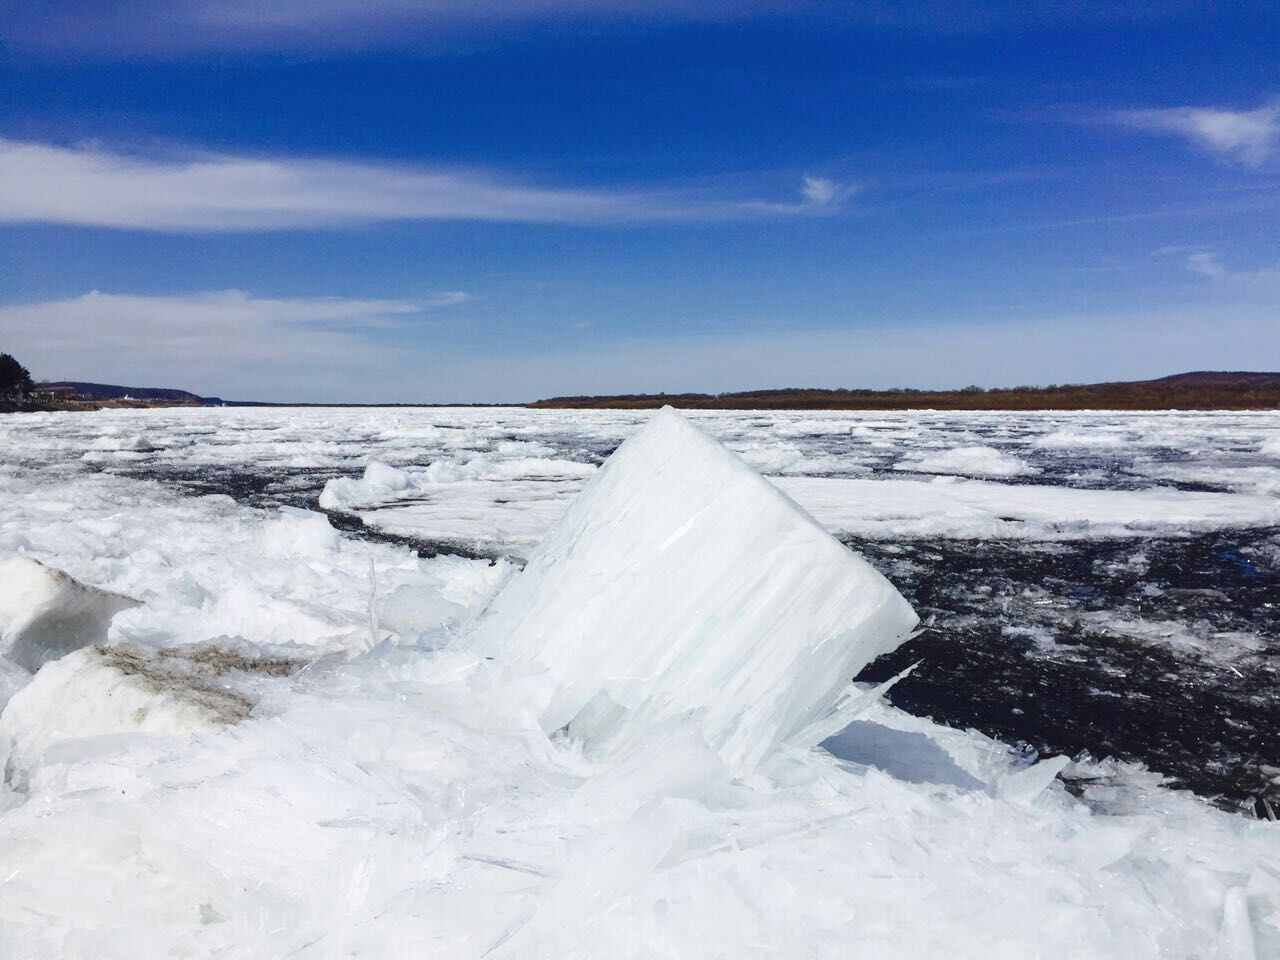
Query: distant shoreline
1203 390
1184 391
86 406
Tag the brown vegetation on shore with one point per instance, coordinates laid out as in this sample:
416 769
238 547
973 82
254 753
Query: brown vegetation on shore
1184 391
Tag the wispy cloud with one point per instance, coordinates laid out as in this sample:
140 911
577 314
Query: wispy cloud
818 195
1206 264
94 187
91 186
1262 283
176 27
225 340
449 298
820 191
1250 137
180 26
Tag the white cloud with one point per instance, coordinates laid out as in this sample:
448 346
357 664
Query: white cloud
820 191
91 186
1245 136
449 298
94 187
1206 264
224 341
818 195
1261 285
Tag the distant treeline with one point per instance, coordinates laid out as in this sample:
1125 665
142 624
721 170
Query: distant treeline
1185 391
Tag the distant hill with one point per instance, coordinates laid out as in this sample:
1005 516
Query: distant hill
1199 390
1219 377
110 391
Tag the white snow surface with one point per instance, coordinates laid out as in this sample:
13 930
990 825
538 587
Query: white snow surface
680 582
399 795
78 703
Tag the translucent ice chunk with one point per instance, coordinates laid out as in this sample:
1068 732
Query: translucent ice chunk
45 613
681 582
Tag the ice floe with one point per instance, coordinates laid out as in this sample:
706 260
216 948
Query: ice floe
382 483
1092 439
510 502
958 508
968 461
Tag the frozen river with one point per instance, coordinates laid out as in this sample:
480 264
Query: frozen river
1101 582
1102 586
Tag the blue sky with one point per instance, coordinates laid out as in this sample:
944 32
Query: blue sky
429 201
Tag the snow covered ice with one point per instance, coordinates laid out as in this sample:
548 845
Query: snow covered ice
376 786
681 582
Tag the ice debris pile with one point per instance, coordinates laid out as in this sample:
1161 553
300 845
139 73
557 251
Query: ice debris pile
682 582
98 692
184 788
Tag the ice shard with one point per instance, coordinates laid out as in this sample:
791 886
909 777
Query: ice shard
681 582
45 613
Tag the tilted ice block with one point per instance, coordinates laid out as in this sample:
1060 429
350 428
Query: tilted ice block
45 613
680 581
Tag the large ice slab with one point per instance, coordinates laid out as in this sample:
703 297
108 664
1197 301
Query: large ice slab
46 613
682 582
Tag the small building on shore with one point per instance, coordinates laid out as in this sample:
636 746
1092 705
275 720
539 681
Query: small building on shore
46 393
